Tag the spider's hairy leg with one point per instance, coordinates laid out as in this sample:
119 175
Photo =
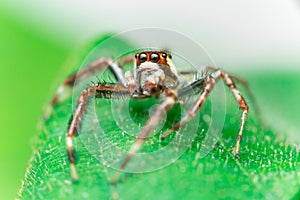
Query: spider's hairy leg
251 95
160 111
245 85
99 65
207 85
74 124
242 103
98 91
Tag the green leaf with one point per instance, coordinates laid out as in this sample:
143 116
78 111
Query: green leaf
268 167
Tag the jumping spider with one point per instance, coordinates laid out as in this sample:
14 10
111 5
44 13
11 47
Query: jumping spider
153 75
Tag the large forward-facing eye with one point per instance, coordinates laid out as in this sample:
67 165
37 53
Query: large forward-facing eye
154 57
143 57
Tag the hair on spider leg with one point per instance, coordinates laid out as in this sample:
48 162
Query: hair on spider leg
98 79
93 82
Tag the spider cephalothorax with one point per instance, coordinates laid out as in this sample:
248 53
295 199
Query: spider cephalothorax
153 74
153 71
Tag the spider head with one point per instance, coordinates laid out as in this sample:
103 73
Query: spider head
154 71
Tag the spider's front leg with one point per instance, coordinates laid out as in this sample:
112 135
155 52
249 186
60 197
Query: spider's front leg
160 111
94 67
98 91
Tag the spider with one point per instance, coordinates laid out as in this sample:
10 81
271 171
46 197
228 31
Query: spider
153 75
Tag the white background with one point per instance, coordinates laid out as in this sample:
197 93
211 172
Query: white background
262 33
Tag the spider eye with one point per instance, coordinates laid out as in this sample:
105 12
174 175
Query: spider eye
143 57
154 57
164 55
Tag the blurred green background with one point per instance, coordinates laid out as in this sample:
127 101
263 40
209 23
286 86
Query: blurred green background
34 55
29 64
